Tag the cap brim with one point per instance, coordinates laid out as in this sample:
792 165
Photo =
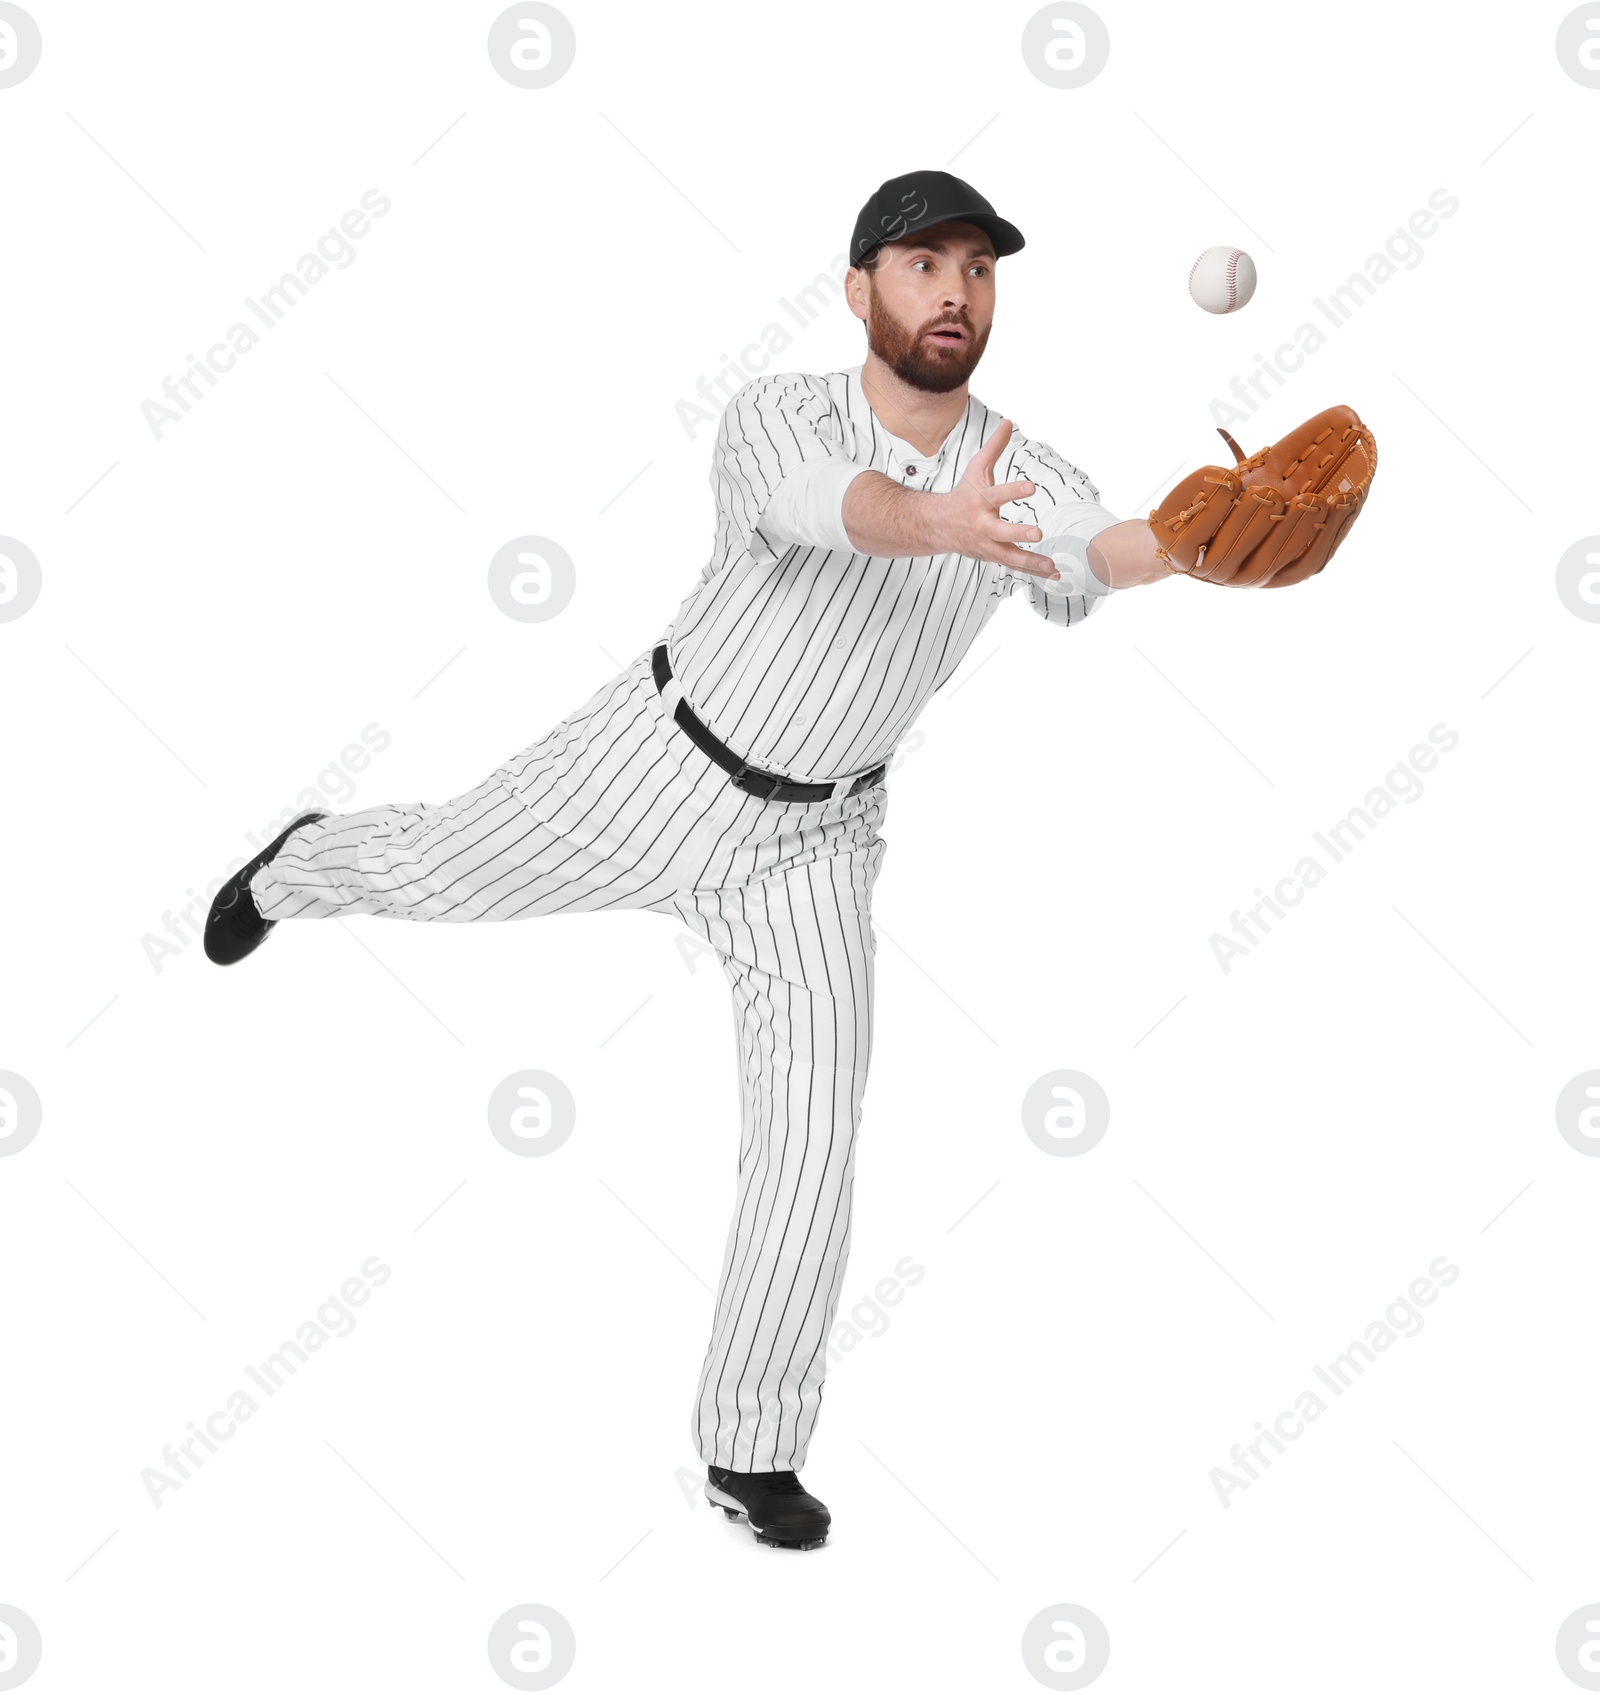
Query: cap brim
1007 238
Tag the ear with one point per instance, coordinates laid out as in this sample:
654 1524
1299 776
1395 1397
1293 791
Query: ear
855 292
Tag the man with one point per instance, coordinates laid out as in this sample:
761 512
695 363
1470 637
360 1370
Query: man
733 776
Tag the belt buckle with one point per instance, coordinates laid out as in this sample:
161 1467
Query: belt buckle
747 770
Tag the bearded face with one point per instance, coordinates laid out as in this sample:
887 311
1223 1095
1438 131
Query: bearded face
936 354
930 303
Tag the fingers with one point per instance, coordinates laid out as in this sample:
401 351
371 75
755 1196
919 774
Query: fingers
998 532
980 468
1035 564
1000 547
1006 492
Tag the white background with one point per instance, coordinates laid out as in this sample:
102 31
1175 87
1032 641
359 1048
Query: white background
1072 820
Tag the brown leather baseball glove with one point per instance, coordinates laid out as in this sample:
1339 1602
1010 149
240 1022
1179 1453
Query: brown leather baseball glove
1276 517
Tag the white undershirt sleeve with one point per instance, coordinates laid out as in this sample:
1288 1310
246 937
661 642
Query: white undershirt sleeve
808 506
1065 505
1068 532
780 469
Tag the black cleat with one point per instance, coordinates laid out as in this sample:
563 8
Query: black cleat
234 926
780 1511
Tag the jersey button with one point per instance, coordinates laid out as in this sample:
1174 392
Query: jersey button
911 470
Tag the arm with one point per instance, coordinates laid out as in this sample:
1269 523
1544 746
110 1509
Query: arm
819 500
1096 552
782 479
1124 556
884 519
779 469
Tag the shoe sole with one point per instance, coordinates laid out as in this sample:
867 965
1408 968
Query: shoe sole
734 1509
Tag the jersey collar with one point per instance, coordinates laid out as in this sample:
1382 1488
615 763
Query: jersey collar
908 453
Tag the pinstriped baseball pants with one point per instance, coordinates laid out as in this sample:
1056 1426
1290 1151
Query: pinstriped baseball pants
617 808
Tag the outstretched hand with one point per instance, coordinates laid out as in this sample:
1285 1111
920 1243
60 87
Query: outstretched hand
972 514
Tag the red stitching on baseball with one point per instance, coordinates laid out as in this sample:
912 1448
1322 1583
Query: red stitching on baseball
1233 267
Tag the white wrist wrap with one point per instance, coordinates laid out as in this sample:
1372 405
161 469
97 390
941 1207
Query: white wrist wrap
1068 546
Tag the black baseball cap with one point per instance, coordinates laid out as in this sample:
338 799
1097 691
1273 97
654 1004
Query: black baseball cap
918 201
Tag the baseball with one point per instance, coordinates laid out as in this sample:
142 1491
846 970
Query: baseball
1223 279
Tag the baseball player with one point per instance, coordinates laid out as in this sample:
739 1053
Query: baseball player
869 523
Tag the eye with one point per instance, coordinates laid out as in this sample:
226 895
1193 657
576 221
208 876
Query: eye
916 262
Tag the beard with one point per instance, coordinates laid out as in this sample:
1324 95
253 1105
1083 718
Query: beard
932 366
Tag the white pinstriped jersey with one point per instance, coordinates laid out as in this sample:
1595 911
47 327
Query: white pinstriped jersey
814 662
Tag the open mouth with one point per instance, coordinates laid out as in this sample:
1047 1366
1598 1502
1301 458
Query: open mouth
948 335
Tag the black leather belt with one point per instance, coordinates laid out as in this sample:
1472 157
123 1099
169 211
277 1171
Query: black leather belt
751 778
